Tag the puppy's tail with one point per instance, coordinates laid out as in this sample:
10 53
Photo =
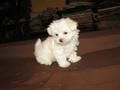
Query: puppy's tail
38 43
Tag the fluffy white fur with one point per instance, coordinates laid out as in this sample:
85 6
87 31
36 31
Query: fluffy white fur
61 45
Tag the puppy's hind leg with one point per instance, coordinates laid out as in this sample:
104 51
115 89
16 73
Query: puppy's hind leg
43 61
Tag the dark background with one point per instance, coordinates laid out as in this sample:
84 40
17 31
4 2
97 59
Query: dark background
17 22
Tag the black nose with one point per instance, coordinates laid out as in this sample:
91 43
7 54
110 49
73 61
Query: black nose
61 40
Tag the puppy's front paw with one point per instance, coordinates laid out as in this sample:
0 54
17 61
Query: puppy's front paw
65 64
75 59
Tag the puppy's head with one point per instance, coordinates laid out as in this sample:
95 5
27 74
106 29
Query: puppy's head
63 30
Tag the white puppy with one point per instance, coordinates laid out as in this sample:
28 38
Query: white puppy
61 45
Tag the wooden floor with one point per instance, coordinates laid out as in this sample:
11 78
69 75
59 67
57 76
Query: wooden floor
98 70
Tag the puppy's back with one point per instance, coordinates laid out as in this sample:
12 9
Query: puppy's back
38 43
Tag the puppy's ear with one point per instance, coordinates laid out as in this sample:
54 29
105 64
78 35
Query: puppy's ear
72 24
49 30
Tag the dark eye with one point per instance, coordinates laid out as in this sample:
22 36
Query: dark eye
56 34
65 33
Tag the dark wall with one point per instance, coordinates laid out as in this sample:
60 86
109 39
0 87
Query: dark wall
14 18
